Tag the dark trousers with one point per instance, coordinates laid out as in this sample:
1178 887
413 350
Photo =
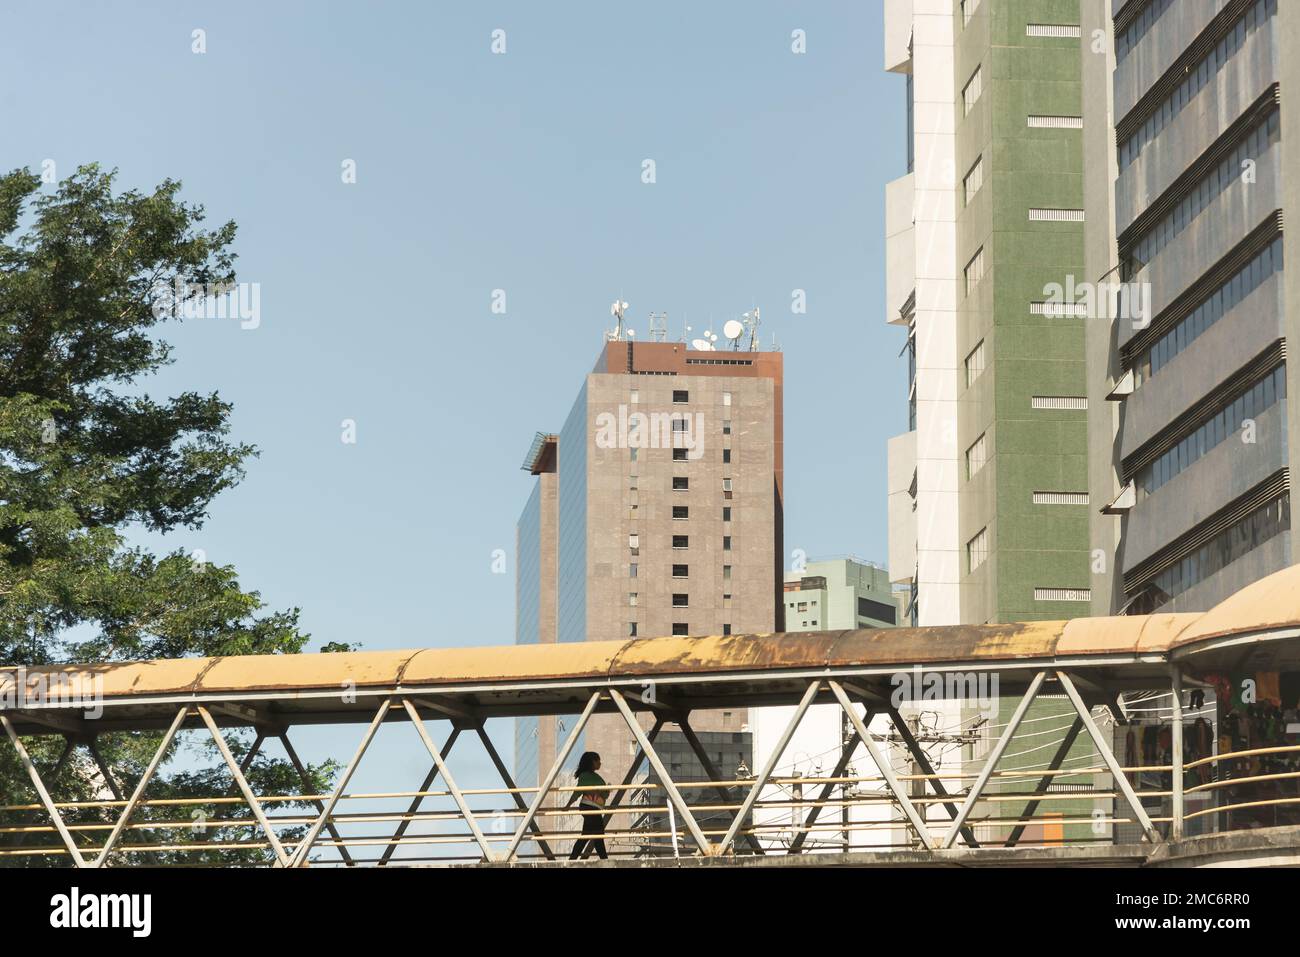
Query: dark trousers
591 824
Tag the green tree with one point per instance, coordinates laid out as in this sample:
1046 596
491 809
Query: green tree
87 275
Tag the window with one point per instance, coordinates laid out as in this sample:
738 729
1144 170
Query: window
726 426
970 94
802 606
976 456
974 270
726 485
635 397
977 550
681 600
631 570
631 483
679 455
631 629
681 483
726 456
726 513
726 573
681 425
1209 311
681 395
973 180
681 628
631 598
681 571
1059 310
975 364
681 511
726 630
726 398
681 541
634 542
726 543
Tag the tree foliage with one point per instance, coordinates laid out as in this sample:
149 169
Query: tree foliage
88 274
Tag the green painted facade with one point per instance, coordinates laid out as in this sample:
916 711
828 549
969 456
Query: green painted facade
1027 450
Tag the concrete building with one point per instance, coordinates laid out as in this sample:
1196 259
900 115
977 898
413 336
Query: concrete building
656 511
1186 199
988 487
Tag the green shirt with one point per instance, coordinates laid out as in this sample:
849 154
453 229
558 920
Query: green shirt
590 779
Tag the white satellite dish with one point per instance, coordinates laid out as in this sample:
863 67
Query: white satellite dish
702 345
733 329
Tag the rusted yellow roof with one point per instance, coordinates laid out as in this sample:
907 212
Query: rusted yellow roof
1267 606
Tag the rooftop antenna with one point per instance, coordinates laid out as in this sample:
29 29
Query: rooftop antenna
751 323
733 329
616 309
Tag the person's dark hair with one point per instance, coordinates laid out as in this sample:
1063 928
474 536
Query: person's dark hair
587 762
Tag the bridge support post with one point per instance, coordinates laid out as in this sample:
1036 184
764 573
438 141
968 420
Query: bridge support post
994 757
923 761
281 856
306 784
509 782
1045 781
1176 687
1108 755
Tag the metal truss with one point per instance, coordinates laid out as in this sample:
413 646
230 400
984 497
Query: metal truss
737 799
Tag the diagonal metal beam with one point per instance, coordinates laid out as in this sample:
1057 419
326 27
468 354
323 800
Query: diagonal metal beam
510 786
136 795
281 858
1045 782
1107 755
448 780
923 761
617 797
306 787
299 856
44 795
841 766
881 761
427 783
814 687
544 786
665 779
103 769
995 755
725 793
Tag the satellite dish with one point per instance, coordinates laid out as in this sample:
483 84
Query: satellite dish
702 345
733 329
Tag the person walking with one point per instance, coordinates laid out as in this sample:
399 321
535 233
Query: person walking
593 825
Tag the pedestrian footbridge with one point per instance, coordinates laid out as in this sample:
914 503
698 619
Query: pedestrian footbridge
1236 804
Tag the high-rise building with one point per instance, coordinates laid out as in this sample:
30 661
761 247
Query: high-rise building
989 494
656 512
1192 416
988 488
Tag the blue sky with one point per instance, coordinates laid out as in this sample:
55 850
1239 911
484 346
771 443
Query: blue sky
477 172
